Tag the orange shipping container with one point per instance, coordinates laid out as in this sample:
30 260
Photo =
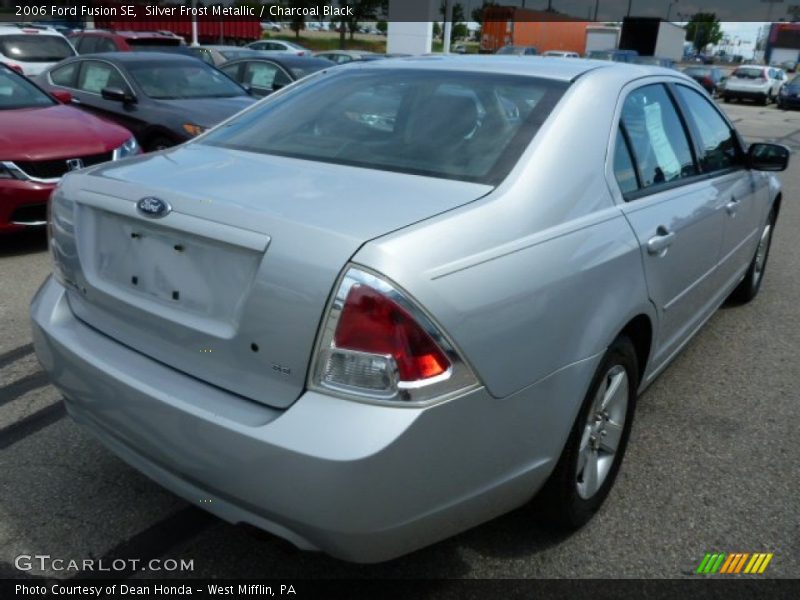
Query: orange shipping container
503 26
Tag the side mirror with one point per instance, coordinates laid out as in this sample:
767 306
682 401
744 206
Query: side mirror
63 96
117 95
768 157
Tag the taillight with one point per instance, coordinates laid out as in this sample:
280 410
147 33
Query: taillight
376 344
708 81
15 67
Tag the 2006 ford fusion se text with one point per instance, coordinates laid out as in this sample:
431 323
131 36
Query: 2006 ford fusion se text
403 297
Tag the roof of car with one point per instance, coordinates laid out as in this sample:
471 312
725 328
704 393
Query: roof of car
127 34
33 30
285 60
562 69
142 56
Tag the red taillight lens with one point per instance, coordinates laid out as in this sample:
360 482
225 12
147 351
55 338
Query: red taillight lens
707 80
370 322
377 344
15 67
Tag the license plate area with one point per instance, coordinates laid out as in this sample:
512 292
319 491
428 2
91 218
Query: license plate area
139 261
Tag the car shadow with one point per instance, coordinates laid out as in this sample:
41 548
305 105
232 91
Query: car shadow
23 242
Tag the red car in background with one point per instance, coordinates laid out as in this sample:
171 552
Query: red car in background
40 140
94 41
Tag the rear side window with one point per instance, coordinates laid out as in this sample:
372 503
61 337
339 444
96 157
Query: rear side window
95 76
719 147
456 125
65 75
265 75
659 143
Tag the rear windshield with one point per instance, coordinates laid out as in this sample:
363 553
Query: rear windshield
698 72
601 55
466 126
159 41
749 73
35 47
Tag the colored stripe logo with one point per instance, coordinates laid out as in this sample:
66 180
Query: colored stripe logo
734 563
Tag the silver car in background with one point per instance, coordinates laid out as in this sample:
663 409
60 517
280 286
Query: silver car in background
404 297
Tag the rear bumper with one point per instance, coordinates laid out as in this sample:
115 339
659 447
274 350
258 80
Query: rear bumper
746 94
22 204
360 482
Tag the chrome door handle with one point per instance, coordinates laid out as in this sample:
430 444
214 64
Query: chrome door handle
732 207
659 243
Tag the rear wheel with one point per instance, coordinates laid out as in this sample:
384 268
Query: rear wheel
727 98
592 456
751 284
766 99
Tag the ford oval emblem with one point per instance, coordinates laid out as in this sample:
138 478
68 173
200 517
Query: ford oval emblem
154 208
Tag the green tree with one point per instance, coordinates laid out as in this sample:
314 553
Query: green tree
703 29
382 26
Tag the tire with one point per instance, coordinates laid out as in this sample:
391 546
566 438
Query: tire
727 98
570 497
751 284
765 100
159 142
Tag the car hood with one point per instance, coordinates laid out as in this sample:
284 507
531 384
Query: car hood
207 112
56 131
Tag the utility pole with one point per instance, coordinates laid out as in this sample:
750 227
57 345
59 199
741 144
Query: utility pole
448 25
194 23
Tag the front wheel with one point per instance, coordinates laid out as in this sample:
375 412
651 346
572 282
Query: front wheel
751 284
594 451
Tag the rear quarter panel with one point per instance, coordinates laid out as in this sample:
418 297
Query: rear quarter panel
543 272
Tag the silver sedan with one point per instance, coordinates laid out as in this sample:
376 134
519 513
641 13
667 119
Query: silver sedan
403 297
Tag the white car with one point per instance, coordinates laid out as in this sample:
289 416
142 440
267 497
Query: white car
561 54
31 50
279 46
753 82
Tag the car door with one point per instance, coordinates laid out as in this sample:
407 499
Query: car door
674 211
94 76
722 158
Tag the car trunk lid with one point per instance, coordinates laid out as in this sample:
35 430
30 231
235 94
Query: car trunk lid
230 286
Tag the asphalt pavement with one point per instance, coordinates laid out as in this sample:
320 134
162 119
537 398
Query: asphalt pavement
712 464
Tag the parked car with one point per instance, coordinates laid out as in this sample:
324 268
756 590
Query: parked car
654 61
266 74
614 55
518 50
709 77
790 66
164 99
346 56
94 41
561 54
40 140
789 96
217 55
279 46
292 298
31 50
270 26
761 84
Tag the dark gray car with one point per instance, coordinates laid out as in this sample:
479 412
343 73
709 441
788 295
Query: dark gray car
164 99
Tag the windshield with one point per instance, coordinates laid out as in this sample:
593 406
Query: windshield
18 92
35 48
751 73
698 72
466 126
309 67
601 55
795 80
162 80
510 50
